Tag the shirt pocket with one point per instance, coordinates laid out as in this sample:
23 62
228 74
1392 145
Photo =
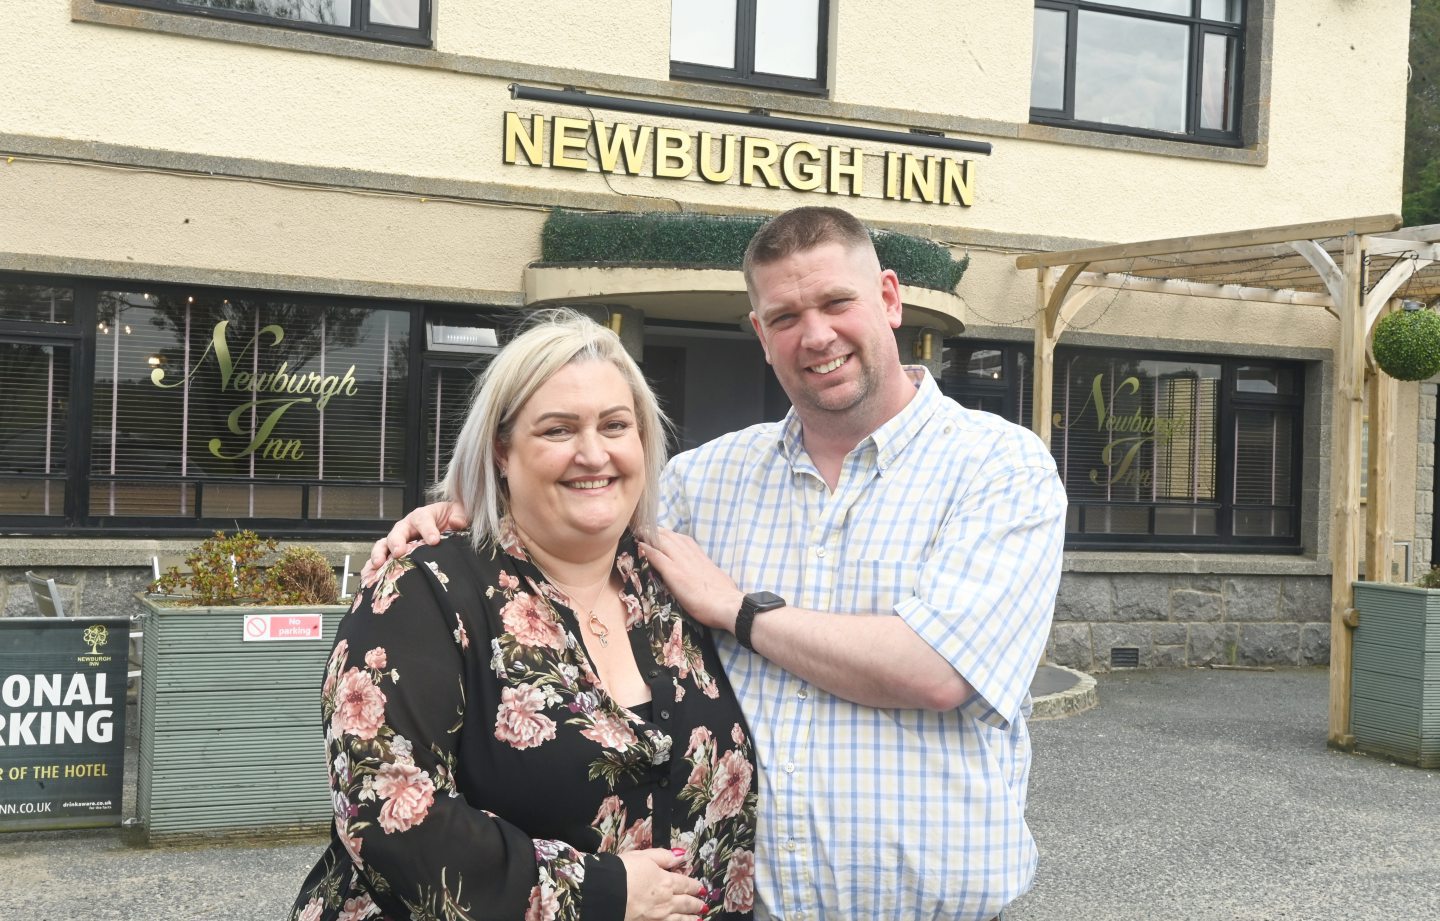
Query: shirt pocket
874 586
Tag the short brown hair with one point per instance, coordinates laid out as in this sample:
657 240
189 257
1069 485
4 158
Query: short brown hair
802 229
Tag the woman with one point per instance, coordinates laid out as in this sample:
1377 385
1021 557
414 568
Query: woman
521 724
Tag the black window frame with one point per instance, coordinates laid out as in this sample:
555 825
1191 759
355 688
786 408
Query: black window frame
1232 401
361 27
744 73
1199 27
80 337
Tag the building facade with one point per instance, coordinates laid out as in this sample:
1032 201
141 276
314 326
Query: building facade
254 252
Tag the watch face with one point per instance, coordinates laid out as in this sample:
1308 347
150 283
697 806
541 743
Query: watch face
764 601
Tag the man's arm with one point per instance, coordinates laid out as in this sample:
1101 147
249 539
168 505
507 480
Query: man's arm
975 622
875 660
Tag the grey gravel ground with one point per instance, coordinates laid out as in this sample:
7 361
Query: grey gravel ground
1189 794
1198 794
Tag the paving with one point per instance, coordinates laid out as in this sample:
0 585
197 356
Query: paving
1189 794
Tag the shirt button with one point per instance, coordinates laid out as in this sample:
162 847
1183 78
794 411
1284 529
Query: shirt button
654 673
791 845
789 767
819 551
664 781
802 693
664 714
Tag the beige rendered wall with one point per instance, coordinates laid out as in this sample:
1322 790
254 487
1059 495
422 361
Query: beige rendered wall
1335 125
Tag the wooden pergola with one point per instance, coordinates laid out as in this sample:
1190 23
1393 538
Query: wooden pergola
1354 269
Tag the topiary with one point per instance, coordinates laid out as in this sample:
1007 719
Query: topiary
301 575
1407 344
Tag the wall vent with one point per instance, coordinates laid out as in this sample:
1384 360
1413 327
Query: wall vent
1124 657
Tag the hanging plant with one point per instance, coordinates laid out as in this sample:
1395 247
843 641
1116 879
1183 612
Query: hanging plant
1407 344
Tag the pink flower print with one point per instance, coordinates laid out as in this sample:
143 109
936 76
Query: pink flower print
355 603
337 661
740 882
462 637
637 837
609 732
728 789
408 793
508 583
543 904
359 705
351 842
675 651
519 720
626 564
700 736
375 658
313 910
358 909
737 735
634 616
530 624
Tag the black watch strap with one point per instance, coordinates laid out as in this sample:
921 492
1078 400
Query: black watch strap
754 603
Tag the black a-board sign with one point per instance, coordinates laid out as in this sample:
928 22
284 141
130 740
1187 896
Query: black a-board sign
62 721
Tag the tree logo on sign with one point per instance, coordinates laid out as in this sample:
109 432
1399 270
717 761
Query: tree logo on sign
95 636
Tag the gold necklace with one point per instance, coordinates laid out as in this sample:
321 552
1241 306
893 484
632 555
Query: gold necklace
595 625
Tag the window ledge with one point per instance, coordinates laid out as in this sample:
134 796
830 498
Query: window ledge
1250 156
133 552
1237 564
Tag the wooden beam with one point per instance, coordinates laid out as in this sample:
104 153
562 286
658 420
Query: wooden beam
1323 265
1200 289
1345 487
1381 292
1042 394
1379 503
1399 246
1380 223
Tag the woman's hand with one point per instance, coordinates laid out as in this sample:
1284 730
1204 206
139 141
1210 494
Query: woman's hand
655 892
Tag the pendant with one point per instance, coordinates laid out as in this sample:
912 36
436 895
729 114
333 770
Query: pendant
599 629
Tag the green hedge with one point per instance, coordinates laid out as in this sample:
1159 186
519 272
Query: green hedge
715 241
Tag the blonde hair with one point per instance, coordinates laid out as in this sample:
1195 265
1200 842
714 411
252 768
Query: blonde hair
554 338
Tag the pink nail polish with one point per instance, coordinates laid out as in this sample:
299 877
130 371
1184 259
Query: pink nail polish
678 851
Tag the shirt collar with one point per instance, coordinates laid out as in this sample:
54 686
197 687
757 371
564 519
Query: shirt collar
890 439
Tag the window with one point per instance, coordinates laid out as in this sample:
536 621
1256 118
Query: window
213 407
1156 451
778 44
1161 68
406 21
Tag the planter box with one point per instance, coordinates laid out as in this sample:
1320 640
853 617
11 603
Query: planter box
230 735
1395 674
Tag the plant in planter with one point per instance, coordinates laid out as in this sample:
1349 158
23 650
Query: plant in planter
235 651
229 570
1407 343
1395 689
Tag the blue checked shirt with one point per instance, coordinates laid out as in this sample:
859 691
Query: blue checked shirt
954 520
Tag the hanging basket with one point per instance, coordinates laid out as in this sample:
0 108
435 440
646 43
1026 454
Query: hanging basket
1407 344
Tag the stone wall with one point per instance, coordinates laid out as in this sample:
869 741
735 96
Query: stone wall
84 591
1178 620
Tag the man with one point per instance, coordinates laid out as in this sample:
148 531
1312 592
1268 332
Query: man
883 565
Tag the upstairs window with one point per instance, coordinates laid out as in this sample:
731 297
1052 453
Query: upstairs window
776 44
1158 68
406 21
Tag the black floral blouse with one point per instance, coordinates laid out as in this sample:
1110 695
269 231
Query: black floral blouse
480 770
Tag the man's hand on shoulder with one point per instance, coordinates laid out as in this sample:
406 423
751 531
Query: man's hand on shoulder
424 524
703 590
